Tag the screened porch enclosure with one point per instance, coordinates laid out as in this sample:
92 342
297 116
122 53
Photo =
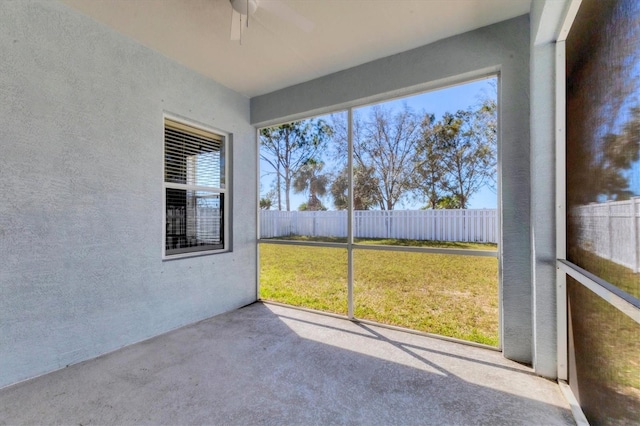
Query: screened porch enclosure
386 228
133 206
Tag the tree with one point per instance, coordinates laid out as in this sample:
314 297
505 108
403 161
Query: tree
387 147
448 202
286 148
619 151
265 203
468 151
267 200
603 112
429 181
310 178
365 186
304 207
485 127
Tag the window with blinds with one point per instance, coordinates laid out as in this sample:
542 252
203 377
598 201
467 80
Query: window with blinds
194 184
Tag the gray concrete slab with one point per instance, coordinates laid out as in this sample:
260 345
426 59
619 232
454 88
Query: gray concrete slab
267 364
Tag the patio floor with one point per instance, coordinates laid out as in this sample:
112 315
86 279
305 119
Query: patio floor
267 364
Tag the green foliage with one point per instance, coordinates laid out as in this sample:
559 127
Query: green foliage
265 203
449 202
428 181
318 206
618 153
365 185
457 156
309 178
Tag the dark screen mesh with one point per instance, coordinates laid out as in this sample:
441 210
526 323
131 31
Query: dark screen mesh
604 355
603 141
603 208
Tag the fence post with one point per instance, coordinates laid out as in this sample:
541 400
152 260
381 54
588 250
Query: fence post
433 224
609 231
274 226
635 239
484 226
468 223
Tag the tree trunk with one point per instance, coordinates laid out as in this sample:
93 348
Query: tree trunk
279 190
287 190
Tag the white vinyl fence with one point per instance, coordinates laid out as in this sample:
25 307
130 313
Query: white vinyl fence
473 225
185 225
611 231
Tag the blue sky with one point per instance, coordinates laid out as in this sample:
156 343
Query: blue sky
436 102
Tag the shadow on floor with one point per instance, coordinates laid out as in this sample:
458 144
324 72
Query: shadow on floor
267 364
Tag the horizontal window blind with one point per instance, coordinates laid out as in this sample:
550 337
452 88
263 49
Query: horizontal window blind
193 158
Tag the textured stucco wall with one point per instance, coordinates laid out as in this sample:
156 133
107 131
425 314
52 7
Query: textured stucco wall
502 47
81 172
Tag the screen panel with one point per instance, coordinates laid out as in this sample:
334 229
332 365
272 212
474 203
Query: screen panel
305 276
450 295
603 208
604 353
304 180
603 142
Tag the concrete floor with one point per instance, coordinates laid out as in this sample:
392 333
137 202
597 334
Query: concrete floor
267 364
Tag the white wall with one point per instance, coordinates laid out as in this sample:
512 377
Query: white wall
545 23
81 172
504 48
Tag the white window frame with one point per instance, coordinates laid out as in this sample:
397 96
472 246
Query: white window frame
223 190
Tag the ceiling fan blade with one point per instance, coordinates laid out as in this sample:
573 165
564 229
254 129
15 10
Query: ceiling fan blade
286 13
236 25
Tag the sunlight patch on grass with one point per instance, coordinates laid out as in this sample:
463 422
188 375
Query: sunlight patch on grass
310 277
455 296
451 295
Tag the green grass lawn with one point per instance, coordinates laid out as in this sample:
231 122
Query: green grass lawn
451 295
394 242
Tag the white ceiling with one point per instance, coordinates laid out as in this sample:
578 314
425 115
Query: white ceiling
275 51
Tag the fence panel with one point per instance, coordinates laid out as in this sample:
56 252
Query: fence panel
440 225
611 230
